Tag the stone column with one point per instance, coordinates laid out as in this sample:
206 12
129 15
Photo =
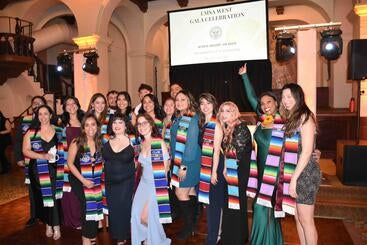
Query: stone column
85 84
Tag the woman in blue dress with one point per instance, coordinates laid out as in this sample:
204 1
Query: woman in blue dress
147 216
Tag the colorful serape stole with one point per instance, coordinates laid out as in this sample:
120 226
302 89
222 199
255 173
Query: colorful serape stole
60 164
159 124
104 127
290 163
232 179
167 133
42 169
67 186
271 170
206 160
92 171
160 181
25 125
252 184
181 138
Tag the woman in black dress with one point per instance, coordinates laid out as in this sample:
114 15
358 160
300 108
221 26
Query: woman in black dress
39 145
119 169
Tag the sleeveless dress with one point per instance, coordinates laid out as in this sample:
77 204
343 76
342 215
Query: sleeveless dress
266 229
154 232
120 172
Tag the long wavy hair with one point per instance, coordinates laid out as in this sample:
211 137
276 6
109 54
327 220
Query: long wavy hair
228 127
155 131
127 97
82 139
192 104
299 114
158 111
65 116
212 100
90 106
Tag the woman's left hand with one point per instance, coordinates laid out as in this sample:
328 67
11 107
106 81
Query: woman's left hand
292 188
214 178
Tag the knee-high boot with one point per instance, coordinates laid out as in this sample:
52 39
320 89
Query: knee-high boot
187 214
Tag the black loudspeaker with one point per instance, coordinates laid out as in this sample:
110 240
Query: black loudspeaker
352 165
357 59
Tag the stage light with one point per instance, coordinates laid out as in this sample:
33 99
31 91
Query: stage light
285 48
331 44
64 64
90 64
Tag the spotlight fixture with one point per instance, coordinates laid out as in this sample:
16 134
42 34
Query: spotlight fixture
90 64
285 48
331 44
64 64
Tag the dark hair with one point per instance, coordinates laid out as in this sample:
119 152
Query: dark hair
192 104
82 139
36 124
155 131
65 116
175 83
158 111
212 100
39 97
92 99
145 86
128 99
299 114
120 116
111 92
271 95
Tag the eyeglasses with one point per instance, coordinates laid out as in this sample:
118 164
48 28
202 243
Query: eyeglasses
142 124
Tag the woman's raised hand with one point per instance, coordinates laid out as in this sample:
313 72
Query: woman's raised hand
243 69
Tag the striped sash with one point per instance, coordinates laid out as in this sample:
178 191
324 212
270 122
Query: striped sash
206 161
67 186
60 171
252 184
232 179
159 124
25 125
181 137
105 138
290 163
92 171
167 133
160 181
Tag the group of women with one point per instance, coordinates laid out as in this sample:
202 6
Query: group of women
203 153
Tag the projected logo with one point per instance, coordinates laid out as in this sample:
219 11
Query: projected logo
215 32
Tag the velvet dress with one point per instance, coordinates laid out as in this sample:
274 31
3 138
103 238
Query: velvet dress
266 229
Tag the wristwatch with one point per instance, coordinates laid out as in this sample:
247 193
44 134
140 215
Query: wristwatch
183 167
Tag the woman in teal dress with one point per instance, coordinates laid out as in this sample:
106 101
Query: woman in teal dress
266 229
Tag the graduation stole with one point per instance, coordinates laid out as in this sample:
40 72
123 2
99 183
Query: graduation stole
232 179
207 152
93 196
25 124
167 133
290 162
43 170
160 181
67 186
105 138
181 138
159 124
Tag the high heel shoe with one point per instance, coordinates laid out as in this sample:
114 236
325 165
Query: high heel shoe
49 231
57 233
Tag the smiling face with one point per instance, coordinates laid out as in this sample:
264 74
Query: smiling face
122 102
111 98
206 107
148 105
144 127
44 116
143 92
288 99
90 127
182 102
174 89
99 105
36 103
118 127
226 114
268 105
71 107
169 107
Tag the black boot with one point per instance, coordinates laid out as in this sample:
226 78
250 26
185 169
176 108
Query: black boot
187 213
196 212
